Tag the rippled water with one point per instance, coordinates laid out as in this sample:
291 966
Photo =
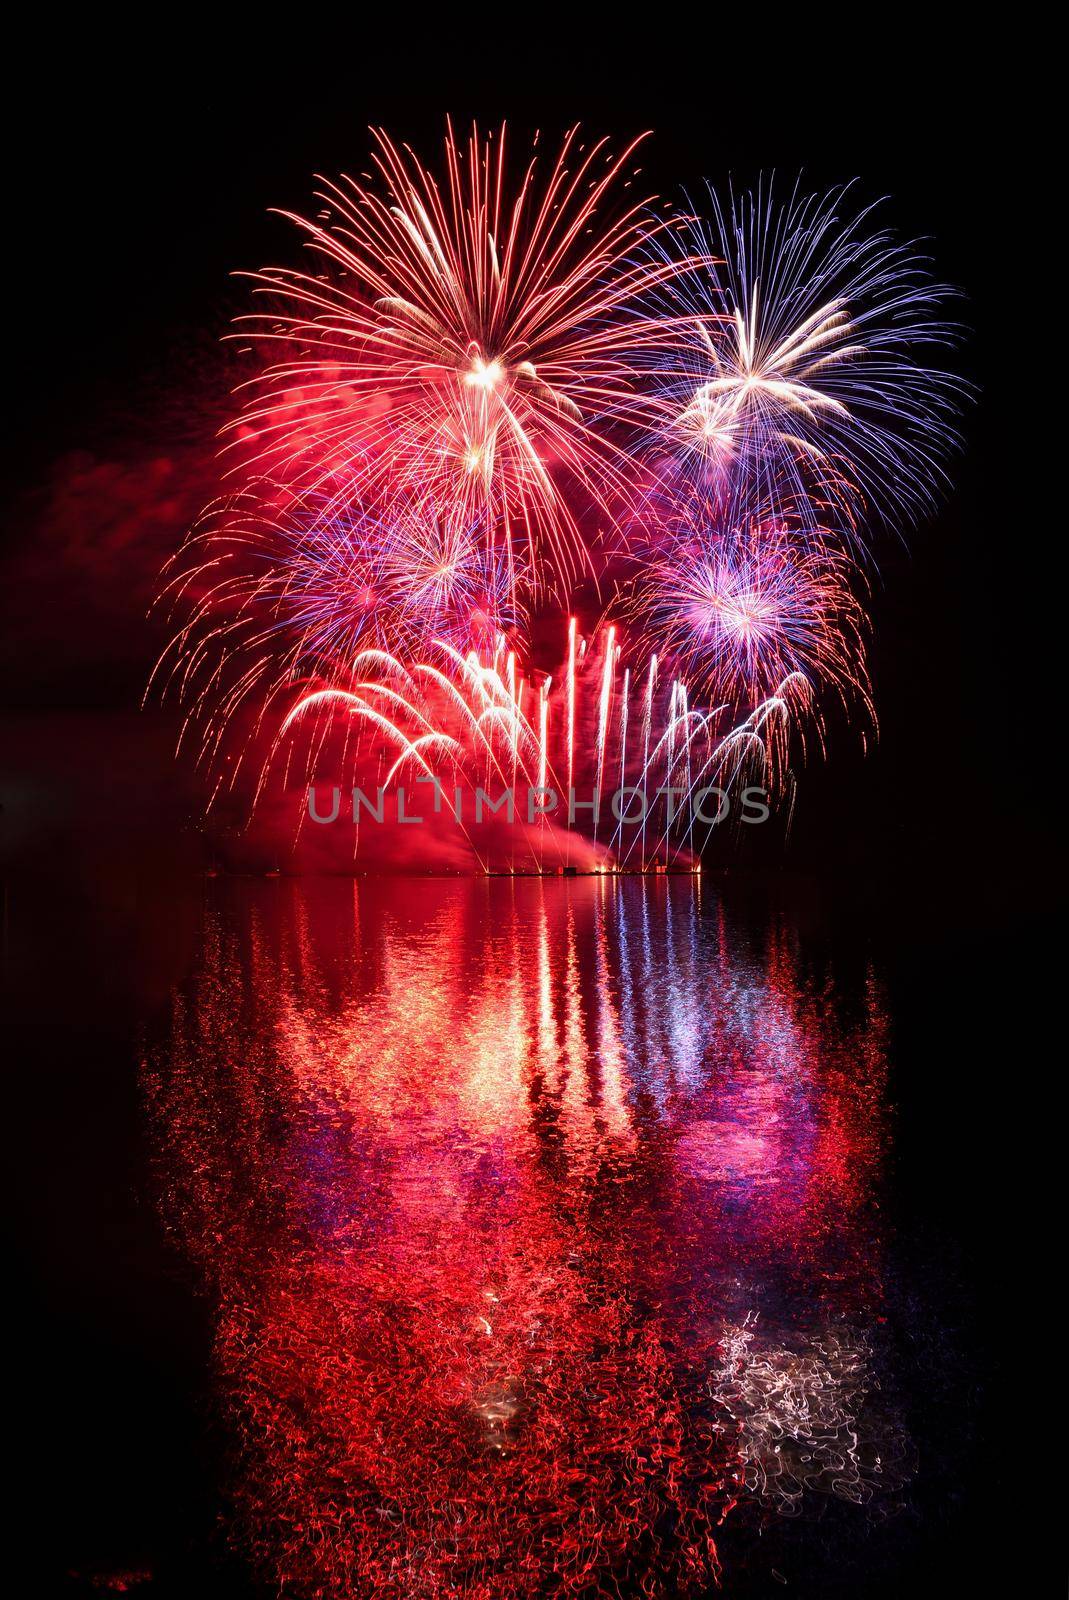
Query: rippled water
541 1227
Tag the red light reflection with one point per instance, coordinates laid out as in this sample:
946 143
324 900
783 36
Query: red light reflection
540 1221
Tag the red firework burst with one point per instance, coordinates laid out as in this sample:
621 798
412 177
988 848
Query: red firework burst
458 344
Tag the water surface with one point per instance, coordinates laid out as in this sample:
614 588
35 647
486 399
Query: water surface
541 1229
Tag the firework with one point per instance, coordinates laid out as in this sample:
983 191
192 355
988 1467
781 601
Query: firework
455 340
806 372
305 651
484 375
277 590
740 608
459 721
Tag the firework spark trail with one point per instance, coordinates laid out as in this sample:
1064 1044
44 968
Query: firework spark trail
647 721
740 608
462 719
458 340
805 375
272 598
571 708
604 705
624 697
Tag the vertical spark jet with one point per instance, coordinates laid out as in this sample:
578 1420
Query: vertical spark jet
543 759
623 748
604 706
571 730
514 731
647 726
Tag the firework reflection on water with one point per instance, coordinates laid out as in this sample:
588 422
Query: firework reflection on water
541 1224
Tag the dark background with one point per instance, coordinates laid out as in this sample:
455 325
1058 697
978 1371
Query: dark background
140 173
